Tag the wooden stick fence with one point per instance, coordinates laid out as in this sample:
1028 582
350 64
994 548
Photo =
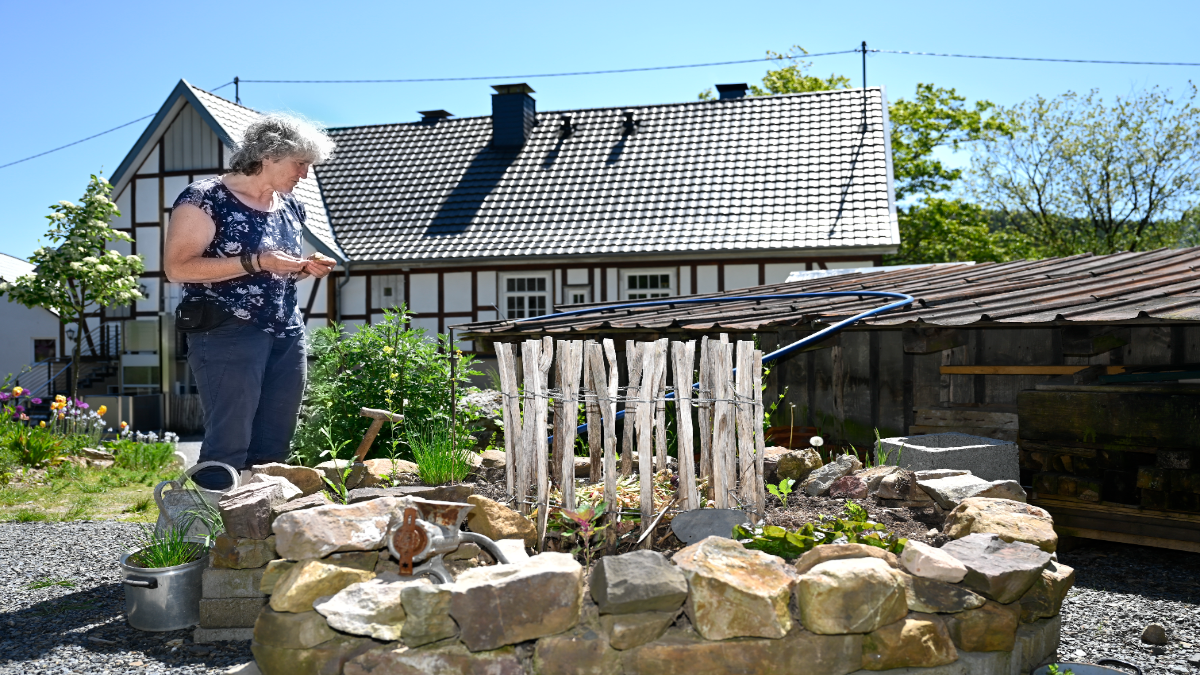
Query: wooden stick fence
727 439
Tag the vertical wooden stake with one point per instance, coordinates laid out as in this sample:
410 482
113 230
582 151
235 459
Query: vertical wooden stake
595 430
705 409
570 366
744 413
724 476
660 405
531 351
644 413
609 409
684 354
512 413
760 442
545 360
633 362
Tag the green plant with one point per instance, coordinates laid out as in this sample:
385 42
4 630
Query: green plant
338 488
36 447
11 496
171 548
438 459
141 505
855 529
1055 669
79 509
29 516
205 512
48 582
782 490
583 528
881 456
141 456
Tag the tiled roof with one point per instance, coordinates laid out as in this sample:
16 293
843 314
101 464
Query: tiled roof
768 174
12 267
1159 285
234 119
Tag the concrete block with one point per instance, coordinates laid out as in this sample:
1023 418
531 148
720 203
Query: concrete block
986 458
230 612
203 636
224 583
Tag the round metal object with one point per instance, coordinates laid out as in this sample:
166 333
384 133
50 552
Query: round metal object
162 599
408 541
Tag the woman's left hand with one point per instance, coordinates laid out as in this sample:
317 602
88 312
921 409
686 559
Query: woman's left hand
319 266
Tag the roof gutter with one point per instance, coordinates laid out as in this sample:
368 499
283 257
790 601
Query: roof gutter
340 285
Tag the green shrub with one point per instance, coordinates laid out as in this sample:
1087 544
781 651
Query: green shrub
135 456
855 529
387 365
438 460
33 446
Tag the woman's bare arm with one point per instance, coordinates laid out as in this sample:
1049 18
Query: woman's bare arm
190 232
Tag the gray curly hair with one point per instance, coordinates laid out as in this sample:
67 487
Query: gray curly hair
276 136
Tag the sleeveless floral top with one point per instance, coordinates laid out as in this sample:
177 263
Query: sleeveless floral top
265 299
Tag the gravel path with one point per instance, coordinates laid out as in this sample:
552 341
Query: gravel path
82 629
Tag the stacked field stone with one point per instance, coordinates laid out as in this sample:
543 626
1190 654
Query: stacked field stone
986 603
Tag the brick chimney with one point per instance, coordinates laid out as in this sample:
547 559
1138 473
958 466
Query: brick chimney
514 115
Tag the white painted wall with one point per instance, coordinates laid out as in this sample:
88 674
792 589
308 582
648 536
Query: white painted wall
740 276
576 277
486 281
457 291
19 326
846 264
381 298
145 209
423 293
150 304
151 163
614 290
706 279
777 273
148 246
125 220
172 186
430 324
354 295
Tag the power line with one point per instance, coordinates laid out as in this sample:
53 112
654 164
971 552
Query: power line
1035 58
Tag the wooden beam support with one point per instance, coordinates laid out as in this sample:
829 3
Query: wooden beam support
1022 370
928 339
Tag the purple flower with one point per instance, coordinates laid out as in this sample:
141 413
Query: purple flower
4 395
83 406
35 401
20 408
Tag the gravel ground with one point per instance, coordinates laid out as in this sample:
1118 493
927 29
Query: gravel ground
81 628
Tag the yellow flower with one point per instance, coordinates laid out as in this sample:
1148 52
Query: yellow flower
42 424
101 410
17 391
395 376
62 416
124 424
60 398
387 350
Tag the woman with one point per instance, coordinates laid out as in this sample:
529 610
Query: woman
234 242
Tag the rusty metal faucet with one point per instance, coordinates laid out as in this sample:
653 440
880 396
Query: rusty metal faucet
430 529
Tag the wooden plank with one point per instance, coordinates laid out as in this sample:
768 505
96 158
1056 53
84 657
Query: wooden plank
540 446
660 406
744 417
723 450
570 370
1093 340
645 412
684 354
633 362
1125 538
1033 446
512 413
1021 370
608 407
530 353
704 411
928 339
1119 512
965 417
595 429
760 442
1151 420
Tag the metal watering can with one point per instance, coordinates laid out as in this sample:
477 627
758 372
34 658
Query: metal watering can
174 505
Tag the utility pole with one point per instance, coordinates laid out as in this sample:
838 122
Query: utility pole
237 93
864 86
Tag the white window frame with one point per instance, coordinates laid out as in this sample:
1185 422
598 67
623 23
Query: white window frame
647 293
544 295
570 293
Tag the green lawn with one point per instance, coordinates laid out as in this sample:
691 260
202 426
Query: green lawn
72 493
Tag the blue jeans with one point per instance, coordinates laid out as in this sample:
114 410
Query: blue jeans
250 386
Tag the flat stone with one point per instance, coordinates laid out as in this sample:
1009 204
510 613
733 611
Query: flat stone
225 583
771 463
996 569
626 631
493 459
428 609
1005 489
700 524
875 475
820 480
934 474
355 560
230 612
333 470
246 510
290 630
205 636
290 491
317 532
381 471
272 573
987 458
1044 599
826 552
513 549
496 521
440 493
848 487
682 652
465 551
797 464
238 553
1155 634
856 595
734 591
306 502
901 486
327 658
948 492
640 581
306 478
1012 521
581 652
990 628
539 597
371 608
923 560
311 579
917 641
1037 642
938 597
448 659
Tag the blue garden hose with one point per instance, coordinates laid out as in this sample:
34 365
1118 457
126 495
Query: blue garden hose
899 300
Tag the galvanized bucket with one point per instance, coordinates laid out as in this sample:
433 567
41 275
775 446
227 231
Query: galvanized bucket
165 598
1089 669
174 504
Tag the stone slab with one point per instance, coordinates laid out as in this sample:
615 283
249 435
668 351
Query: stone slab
639 581
230 612
204 636
699 524
987 458
681 652
222 583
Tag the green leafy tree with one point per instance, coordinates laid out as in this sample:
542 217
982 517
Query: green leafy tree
80 273
1079 175
938 230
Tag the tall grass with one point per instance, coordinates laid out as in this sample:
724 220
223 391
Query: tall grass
135 456
438 461
171 548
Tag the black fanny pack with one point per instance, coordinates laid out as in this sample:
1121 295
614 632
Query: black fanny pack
196 315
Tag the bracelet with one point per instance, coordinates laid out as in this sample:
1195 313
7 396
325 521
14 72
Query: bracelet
246 263
258 260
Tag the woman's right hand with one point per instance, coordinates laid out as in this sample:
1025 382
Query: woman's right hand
280 263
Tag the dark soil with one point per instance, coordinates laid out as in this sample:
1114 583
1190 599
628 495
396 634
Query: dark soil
915 524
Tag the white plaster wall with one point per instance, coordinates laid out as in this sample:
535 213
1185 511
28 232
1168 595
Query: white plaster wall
777 273
423 293
614 289
354 295
150 165
576 277
430 324
457 291
172 186
148 246
146 205
848 264
486 281
19 326
150 304
706 279
740 276
125 220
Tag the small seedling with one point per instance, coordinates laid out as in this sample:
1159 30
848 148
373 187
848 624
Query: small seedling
47 583
1054 669
782 490
338 488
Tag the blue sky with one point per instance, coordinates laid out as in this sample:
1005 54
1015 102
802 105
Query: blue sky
73 69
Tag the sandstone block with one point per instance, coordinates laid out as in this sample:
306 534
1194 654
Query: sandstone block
492 459
1004 489
539 597
938 597
1045 597
333 469
997 569
327 658
317 532
355 560
848 487
428 610
452 659
917 641
990 628
582 652
496 521
236 553
289 491
225 583
735 592
246 510
230 612
311 579
797 464
683 653
923 560
827 552
307 502
1012 521
371 608
289 630
856 595
771 458
874 476
272 573
820 480
381 471
306 478
949 491
626 631
640 581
